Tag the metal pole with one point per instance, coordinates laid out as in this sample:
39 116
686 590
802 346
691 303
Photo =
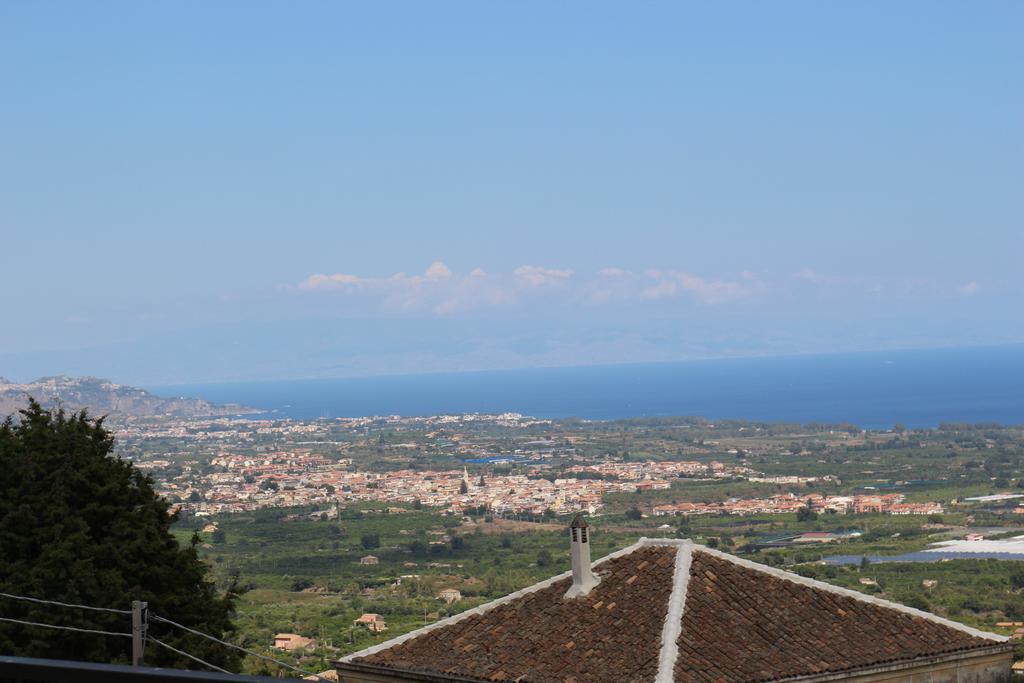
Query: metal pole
138 630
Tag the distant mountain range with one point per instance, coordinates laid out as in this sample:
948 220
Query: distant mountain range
103 397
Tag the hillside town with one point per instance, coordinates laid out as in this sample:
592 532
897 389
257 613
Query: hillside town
887 504
503 464
294 479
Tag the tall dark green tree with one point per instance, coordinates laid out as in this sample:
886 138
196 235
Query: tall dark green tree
80 525
806 513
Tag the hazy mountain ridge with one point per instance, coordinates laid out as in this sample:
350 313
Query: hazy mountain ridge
102 397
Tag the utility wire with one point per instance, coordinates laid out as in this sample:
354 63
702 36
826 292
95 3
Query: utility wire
66 628
147 637
185 654
157 617
64 604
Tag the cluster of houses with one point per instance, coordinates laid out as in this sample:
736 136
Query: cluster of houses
891 504
292 479
666 469
302 478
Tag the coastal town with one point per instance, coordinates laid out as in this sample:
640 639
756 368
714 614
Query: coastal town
298 479
505 465
887 504
288 480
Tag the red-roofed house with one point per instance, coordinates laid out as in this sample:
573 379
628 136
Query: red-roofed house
293 641
373 622
674 611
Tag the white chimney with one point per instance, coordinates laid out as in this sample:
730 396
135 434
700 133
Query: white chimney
579 548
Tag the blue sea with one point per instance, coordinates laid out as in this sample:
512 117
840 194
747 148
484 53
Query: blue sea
873 390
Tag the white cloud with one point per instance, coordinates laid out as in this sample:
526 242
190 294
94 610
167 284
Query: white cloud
620 285
438 289
442 291
320 281
659 290
538 276
676 283
970 289
613 272
352 283
438 270
474 292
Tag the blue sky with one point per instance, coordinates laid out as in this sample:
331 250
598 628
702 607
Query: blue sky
204 191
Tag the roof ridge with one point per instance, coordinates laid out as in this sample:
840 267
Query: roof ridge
857 595
644 540
487 606
673 625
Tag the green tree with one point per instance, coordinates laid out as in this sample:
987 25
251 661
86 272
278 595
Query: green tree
915 600
80 525
370 541
634 513
806 514
301 584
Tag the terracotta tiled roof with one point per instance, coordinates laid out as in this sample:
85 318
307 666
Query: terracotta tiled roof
671 611
743 624
616 627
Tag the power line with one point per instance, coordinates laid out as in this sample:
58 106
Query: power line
64 604
157 617
96 631
65 628
147 637
185 654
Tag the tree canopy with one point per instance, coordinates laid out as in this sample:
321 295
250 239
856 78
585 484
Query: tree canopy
80 525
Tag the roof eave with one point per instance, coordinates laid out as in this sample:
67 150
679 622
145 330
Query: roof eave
994 648
408 674
439 677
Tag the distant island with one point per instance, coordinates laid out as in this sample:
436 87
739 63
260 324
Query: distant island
103 397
